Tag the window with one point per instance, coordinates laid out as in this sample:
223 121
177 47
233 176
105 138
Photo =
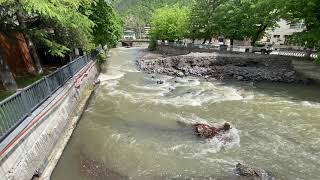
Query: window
276 36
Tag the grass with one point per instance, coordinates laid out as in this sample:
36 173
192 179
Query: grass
5 94
27 80
21 82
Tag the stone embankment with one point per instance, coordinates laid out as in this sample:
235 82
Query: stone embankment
240 66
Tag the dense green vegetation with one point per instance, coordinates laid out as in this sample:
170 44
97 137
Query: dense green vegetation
238 20
230 18
309 12
138 13
171 23
109 27
58 27
62 25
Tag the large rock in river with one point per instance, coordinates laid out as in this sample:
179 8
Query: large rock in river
251 172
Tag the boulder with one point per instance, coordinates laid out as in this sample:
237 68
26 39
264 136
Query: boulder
252 172
207 131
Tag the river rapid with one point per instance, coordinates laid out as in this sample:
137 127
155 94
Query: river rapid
130 128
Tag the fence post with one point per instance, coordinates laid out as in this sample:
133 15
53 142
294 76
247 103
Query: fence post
49 90
25 101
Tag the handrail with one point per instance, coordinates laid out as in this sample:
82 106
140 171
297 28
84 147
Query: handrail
16 108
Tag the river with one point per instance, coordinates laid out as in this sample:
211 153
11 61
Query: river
130 128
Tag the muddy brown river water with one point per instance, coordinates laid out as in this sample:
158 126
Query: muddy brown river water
130 129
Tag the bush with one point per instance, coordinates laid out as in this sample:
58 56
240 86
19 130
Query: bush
102 58
153 44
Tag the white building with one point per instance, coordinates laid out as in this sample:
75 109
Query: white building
279 35
129 35
146 32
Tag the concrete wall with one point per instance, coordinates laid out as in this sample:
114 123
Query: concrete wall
30 148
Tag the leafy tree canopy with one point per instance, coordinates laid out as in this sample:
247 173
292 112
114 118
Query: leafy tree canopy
307 11
169 23
50 23
138 13
108 28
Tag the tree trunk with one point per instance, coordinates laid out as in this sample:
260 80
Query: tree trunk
308 53
204 41
210 40
31 45
261 29
231 44
6 77
193 41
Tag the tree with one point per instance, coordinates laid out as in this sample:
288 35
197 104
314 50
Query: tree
202 25
108 29
8 82
306 11
138 13
31 15
169 23
246 19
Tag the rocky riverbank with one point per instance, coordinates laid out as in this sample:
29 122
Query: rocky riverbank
242 66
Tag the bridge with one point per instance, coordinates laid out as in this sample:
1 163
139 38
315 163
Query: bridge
135 43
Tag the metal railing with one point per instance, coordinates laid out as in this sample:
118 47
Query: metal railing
295 53
282 52
20 105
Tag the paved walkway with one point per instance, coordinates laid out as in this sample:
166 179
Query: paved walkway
307 68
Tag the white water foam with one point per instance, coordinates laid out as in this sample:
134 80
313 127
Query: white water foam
112 75
310 104
116 137
228 140
196 92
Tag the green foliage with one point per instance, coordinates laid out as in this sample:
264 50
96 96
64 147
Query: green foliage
102 58
138 13
169 23
109 27
306 11
153 44
233 19
201 23
52 24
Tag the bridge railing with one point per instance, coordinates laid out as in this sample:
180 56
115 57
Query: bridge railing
281 52
295 53
16 108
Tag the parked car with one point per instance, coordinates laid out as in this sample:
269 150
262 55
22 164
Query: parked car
263 48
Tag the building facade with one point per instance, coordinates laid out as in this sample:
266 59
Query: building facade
279 35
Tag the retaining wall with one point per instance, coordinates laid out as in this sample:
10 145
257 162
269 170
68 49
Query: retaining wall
32 146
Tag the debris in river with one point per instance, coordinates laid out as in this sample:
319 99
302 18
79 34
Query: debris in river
160 82
207 131
256 173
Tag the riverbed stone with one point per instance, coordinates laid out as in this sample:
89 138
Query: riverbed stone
224 66
252 172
